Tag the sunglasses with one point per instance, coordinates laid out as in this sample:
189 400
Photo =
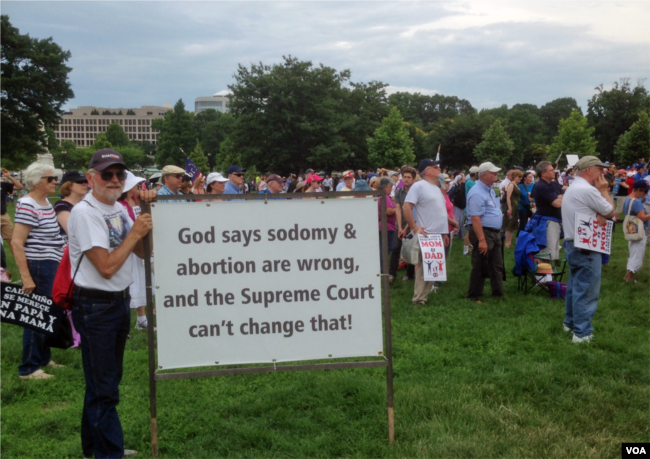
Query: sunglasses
108 176
50 179
85 182
238 175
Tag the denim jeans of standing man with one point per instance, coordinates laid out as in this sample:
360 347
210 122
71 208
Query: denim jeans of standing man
104 327
35 353
583 289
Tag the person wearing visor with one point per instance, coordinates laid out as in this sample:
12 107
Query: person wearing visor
102 237
74 187
235 183
130 199
215 183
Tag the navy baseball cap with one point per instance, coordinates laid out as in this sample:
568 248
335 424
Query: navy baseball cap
641 185
73 176
234 169
427 163
105 158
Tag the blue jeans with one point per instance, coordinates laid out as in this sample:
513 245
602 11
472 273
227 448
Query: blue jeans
583 289
35 353
104 327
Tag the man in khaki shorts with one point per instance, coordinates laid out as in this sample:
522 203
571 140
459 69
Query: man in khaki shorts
9 185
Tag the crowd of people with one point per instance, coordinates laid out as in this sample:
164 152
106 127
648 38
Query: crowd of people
103 231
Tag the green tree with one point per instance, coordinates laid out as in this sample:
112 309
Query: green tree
554 111
574 137
134 157
74 159
612 112
496 146
635 143
228 156
199 159
527 131
176 132
34 88
391 146
101 142
115 134
295 115
457 137
423 111
212 127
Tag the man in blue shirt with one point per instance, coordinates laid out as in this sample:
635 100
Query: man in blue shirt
235 180
274 184
640 173
485 234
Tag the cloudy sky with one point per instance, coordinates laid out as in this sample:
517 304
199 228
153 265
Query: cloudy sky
129 54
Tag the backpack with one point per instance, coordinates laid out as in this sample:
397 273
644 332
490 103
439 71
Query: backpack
460 200
63 287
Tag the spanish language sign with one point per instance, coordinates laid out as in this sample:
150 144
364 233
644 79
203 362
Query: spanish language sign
433 257
591 236
266 281
33 311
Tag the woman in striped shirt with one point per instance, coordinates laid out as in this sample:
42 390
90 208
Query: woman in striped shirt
38 248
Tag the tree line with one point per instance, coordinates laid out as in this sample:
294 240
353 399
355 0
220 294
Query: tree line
293 115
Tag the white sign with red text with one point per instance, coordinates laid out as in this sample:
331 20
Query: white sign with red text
592 236
434 266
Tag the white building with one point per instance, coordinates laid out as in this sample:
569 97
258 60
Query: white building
219 102
81 125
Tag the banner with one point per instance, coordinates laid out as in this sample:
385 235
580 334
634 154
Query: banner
591 236
434 266
239 282
36 312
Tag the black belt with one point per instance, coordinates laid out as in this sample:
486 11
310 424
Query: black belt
101 294
491 230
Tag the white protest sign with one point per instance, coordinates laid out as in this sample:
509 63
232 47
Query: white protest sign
572 160
240 282
434 267
591 236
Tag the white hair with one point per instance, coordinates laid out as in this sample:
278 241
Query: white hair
386 181
35 172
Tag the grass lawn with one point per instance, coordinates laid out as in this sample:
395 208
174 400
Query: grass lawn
495 380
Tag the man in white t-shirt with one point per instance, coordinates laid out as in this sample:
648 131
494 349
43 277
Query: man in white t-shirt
426 201
587 195
102 238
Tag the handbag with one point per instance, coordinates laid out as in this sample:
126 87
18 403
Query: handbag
64 339
632 226
411 249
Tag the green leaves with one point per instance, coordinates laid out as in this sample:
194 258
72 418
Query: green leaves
34 88
496 146
574 137
177 132
391 146
199 159
635 143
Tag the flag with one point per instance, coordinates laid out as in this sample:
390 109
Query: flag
192 170
438 155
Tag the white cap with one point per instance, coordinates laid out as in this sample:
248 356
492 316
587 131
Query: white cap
473 170
630 174
131 181
488 167
215 177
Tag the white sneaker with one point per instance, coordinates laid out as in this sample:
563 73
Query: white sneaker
566 329
141 326
38 374
584 339
53 364
391 279
130 453
465 250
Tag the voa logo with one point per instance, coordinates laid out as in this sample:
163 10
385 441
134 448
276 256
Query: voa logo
635 450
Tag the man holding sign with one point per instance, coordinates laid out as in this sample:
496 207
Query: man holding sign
587 195
426 200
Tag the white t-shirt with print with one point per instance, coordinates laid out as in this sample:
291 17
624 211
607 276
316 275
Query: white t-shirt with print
429 207
94 224
581 198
